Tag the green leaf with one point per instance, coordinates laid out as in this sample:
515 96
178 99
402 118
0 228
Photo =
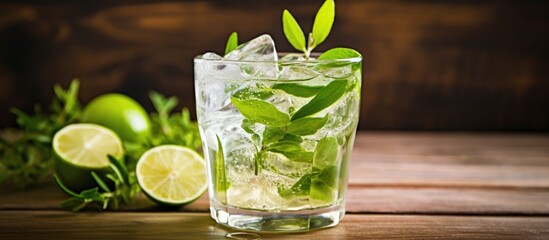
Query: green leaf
293 31
323 189
300 188
232 43
326 152
249 93
292 138
339 53
92 194
64 188
307 126
258 159
261 112
323 99
323 22
119 168
292 150
100 182
272 134
298 90
74 204
221 184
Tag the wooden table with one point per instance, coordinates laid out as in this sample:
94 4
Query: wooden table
402 185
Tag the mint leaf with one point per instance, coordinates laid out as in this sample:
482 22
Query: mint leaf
323 99
248 93
300 188
272 134
297 90
232 43
292 150
323 186
326 152
221 184
293 31
339 53
307 126
323 23
261 112
292 138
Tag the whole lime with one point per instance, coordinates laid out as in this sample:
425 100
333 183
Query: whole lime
120 113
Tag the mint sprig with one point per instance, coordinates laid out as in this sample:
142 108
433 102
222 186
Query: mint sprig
124 190
321 28
232 43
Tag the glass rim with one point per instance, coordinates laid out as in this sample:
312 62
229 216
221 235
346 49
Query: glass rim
313 54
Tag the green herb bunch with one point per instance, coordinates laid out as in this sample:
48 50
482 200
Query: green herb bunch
26 153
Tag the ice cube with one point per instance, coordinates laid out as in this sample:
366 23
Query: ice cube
262 52
261 48
211 56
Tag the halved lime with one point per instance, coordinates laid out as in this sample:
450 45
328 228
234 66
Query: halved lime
82 148
172 175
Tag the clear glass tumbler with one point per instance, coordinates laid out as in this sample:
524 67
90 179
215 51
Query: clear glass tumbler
277 139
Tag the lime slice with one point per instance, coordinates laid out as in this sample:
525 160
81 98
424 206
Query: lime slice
172 175
81 149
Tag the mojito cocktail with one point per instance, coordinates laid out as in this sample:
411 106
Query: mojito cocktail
277 131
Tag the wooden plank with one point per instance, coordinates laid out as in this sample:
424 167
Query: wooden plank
366 199
527 149
50 198
360 199
460 160
63 225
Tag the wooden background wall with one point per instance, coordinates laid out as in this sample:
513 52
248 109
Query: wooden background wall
429 65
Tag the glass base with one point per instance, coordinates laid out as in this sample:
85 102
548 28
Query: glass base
277 222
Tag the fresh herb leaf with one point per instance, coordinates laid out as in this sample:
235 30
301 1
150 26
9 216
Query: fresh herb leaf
323 23
272 134
26 153
339 53
307 126
248 93
293 31
261 111
119 168
100 182
323 99
124 190
292 150
300 188
298 90
221 184
63 187
326 152
292 138
323 186
232 43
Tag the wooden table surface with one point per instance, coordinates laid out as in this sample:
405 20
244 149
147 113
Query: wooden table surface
401 186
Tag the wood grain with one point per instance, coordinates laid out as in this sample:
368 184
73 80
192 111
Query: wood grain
63 225
411 173
429 65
